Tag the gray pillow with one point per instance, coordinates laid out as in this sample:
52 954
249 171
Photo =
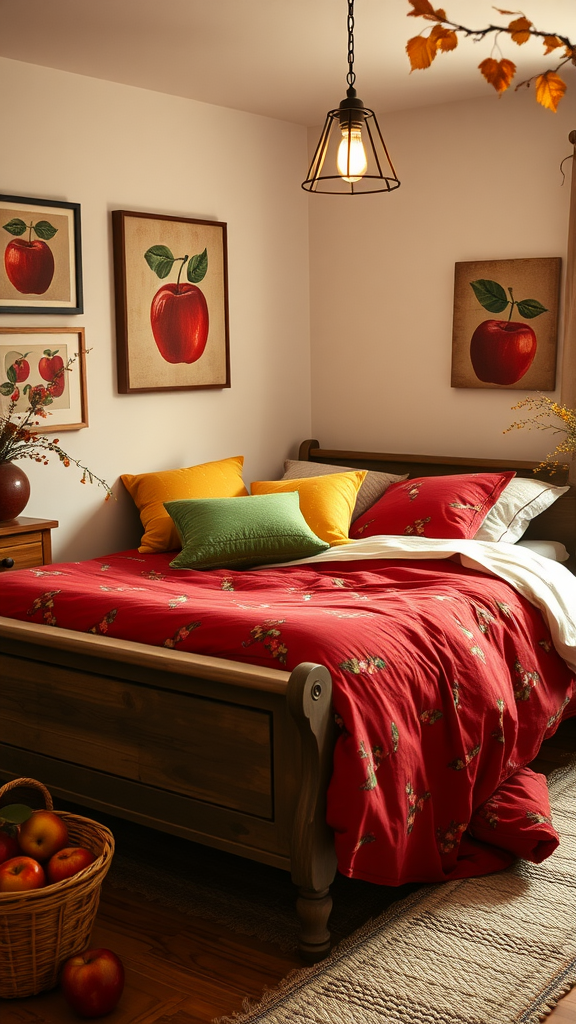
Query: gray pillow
371 490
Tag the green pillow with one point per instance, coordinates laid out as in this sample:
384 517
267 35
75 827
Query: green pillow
234 533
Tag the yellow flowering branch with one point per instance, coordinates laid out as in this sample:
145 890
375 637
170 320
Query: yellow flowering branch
543 409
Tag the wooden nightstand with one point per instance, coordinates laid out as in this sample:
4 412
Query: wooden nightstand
25 542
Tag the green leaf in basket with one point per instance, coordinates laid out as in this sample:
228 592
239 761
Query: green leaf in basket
15 813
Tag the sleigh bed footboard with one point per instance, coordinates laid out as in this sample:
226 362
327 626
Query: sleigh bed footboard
233 756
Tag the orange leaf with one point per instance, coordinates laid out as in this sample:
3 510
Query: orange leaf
422 9
498 73
445 39
519 30
549 90
420 52
500 11
552 43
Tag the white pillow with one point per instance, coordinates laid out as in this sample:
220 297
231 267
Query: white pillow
553 549
521 500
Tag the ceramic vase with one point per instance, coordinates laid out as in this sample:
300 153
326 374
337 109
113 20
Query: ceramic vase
14 490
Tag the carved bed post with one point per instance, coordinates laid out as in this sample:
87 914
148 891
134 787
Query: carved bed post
313 859
305 449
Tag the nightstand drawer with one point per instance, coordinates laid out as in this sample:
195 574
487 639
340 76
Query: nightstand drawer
25 551
25 542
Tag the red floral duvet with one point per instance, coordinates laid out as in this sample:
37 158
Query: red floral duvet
446 681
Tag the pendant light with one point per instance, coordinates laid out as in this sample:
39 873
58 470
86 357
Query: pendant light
351 157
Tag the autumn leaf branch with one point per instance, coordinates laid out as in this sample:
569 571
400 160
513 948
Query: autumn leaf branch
443 37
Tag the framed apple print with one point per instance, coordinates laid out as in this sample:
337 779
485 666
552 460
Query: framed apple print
171 284
32 358
41 266
505 326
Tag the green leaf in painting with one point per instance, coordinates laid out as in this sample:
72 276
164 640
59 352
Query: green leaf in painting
197 267
11 374
160 259
529 308
15 226
45 230
490 294
15 813
7 388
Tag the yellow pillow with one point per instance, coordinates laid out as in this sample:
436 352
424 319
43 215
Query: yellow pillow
222 479
326 502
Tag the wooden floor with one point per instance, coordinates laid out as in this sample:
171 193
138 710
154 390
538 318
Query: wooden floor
182 970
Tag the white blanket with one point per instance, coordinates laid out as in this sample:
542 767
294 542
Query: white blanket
548 585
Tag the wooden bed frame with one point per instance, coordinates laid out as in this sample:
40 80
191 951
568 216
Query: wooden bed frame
234 756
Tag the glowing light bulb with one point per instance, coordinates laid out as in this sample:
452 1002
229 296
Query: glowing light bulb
351 161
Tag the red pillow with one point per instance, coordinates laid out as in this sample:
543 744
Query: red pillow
433 506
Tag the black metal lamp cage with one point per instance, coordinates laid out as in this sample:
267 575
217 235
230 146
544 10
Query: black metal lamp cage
351 157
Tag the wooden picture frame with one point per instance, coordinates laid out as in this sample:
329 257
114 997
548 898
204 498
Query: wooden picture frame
41 256
171 286
68 410
505 326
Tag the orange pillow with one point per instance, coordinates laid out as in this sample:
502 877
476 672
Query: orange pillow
149 491
326 502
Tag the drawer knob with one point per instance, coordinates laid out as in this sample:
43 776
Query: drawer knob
7 563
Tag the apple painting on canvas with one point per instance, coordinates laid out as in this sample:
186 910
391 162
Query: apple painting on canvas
171 295
505 324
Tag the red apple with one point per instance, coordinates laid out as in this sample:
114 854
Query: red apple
37 394
21 368
49 364
50 367
502 352
58 385
29 265
8 846
42 835
179 318
21 873
92 982
68 862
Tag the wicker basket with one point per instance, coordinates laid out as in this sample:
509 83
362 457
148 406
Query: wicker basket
41 928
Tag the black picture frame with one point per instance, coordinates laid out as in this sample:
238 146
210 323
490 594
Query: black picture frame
56 278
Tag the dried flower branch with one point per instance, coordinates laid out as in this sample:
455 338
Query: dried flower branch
443 37
545 408
19 438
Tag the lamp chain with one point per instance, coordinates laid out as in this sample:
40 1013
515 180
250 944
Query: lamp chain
350 77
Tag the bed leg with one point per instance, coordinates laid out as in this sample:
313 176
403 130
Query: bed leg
313 909
313 858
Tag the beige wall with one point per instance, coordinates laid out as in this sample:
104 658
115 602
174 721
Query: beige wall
480 180
109 146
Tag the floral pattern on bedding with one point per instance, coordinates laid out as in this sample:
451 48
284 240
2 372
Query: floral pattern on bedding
445 683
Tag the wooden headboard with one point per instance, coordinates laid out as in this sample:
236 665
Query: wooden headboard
556 523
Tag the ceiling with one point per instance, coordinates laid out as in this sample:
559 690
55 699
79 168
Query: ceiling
285 59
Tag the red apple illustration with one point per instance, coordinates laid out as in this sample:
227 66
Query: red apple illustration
179 318
51 368
179 312
20 366
502 351
29 262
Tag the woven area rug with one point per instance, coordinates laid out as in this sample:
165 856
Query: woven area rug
494 950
